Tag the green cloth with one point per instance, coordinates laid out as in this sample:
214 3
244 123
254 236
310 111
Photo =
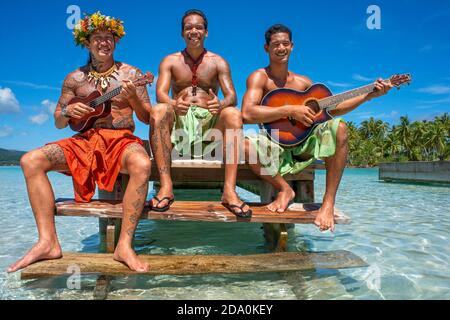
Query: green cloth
196 125
320 144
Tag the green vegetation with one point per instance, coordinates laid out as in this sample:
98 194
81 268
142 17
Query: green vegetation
375 141
10 157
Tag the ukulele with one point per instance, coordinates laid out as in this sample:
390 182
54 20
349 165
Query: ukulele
100 104
289 132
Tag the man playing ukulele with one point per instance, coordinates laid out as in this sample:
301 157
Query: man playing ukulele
328 140
97 155
195 75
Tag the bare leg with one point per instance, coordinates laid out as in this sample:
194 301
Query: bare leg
161 123
285 192
35 165
136 163
231 118
335 166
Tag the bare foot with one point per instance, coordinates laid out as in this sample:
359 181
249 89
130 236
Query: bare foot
282 201
127 255
231 198
325 218
42 250
162 193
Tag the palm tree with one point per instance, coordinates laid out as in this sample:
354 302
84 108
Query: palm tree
438 139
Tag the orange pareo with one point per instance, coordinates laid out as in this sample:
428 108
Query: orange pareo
94 157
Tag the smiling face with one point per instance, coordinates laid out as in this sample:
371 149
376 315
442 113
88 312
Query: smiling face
279 47
194 32
101 45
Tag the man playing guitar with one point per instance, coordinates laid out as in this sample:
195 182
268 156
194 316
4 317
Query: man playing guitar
328 141
97 155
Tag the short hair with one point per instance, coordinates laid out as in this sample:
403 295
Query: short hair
277 28
197 12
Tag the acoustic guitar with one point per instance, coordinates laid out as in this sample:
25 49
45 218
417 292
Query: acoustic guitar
289 132
100 104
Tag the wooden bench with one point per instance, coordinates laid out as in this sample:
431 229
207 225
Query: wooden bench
198 174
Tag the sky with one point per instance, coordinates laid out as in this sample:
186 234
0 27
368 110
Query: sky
333 44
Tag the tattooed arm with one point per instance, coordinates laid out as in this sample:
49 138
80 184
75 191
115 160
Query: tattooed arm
67 93
226 83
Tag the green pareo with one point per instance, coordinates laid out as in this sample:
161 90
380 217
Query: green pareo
283 160
195 126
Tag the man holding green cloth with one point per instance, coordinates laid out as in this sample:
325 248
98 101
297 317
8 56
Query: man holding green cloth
191 117
328 141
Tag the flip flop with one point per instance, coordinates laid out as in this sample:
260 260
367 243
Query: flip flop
162 209
241 214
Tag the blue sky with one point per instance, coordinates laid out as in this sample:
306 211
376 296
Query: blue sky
332 45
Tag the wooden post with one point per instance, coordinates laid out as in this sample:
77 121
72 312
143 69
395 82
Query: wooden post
275 233
304 191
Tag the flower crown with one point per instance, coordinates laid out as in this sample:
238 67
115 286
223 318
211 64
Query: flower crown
85 27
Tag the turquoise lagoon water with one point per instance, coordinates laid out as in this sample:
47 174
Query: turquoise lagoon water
401 230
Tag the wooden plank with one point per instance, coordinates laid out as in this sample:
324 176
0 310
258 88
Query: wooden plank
197 264
196 211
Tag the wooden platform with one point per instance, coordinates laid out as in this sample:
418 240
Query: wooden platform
195 211
197 264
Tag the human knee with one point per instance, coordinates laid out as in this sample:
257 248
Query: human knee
159 112
139 165
33 161
232 117
342 134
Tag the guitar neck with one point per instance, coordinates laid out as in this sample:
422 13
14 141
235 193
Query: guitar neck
333 101
108 96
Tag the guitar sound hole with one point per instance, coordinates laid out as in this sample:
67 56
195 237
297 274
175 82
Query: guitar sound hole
314 105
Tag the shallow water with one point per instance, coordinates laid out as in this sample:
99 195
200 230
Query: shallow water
401 230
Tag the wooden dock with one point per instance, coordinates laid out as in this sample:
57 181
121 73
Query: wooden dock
108 209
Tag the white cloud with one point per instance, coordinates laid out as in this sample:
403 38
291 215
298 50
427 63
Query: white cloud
339 84
392 115
39 118
48 108
8 101
49 105
31 85
5 131
359 77
435 89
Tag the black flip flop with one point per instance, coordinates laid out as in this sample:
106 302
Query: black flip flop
162 209
242 214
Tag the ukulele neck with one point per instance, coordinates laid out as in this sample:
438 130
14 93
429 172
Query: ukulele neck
107 96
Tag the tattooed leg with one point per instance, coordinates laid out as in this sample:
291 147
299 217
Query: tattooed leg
137 164
161 123
35 165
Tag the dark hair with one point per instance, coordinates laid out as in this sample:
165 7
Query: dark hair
277 28
191 12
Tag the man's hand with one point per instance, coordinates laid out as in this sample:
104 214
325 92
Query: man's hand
78 110
214 104
305 115
381 88
182 105
129 90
